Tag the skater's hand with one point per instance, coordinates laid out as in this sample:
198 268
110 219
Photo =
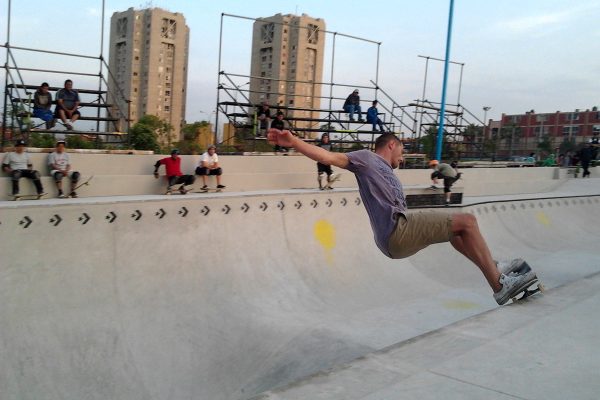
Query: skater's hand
283 138
156 175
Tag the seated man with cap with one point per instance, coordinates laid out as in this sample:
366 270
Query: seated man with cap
174 175
352 105
18 165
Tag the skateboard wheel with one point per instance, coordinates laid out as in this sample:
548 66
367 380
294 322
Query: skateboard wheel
541 287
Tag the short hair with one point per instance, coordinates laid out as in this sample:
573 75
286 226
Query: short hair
384 139
68 81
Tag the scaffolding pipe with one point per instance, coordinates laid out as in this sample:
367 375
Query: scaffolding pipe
440 137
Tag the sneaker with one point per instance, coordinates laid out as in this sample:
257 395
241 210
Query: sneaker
361 120
351 119
61 195
182 190
513 284
220 186
69 126
205 187
73 194
517 265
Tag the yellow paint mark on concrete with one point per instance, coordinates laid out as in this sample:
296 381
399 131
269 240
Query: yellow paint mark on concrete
543 218
460 305
324 232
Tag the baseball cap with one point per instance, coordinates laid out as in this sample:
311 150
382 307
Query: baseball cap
174 151
20 142
61 142
211 146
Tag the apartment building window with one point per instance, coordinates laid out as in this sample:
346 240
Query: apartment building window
168 28
167 108
313 34
572 116
570 131
541 117
515 119
122 27
267 32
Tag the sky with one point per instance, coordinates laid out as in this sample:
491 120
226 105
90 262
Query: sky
541 55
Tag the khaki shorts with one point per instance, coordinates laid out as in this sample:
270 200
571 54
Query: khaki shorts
415 231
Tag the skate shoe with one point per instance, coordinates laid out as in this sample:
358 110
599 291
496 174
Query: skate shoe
517 265
513 284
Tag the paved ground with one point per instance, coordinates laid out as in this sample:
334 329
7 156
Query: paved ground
226 296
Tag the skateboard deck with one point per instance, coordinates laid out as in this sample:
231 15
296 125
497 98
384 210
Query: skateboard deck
177 192
27 196
84 183
214 190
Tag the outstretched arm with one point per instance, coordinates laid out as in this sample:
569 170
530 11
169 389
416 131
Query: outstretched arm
286 139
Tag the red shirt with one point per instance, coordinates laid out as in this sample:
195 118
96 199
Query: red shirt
173 166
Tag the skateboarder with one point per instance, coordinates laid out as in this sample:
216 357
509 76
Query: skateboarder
209 165
323 170
18 165
174 176
446 172
60 166
398 233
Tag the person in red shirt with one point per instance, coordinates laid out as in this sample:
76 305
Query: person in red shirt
174 176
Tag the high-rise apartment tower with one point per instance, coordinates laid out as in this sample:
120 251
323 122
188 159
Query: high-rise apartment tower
148 60
287 64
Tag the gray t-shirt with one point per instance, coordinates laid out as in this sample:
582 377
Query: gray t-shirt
381 192
60 159
446 170
17 161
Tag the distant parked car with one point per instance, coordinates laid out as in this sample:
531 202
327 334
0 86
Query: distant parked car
520 161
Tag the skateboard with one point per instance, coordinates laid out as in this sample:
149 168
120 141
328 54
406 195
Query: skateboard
85 183
521 266
177 191
207 190
28 196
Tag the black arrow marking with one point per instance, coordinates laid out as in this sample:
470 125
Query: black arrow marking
329 202
136 215
226 209
84 218
298 204
344 201
314 203
55 220
263 206
183 212
26 221
281 205
357 201
160 213
205 210
245 207
111 217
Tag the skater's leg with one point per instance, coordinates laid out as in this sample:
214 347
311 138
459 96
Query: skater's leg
468 240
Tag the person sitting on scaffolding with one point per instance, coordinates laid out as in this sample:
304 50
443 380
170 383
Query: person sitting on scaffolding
67 102
42 104
373 118
352 105
263 115
281 124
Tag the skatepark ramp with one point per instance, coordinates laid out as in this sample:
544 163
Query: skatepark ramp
225 296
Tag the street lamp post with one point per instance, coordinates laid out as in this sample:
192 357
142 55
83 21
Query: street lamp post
485 110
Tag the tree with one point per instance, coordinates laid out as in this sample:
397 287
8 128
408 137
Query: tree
545 145
149 133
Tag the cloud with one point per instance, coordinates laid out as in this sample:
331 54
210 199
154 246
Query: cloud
540 24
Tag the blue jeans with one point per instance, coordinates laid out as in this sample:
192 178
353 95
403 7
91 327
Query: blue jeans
353 108
376 122
42 114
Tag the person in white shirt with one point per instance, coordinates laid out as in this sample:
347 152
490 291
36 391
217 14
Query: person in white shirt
18 165
60 166
209 165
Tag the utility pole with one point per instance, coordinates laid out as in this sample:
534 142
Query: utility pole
483 130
